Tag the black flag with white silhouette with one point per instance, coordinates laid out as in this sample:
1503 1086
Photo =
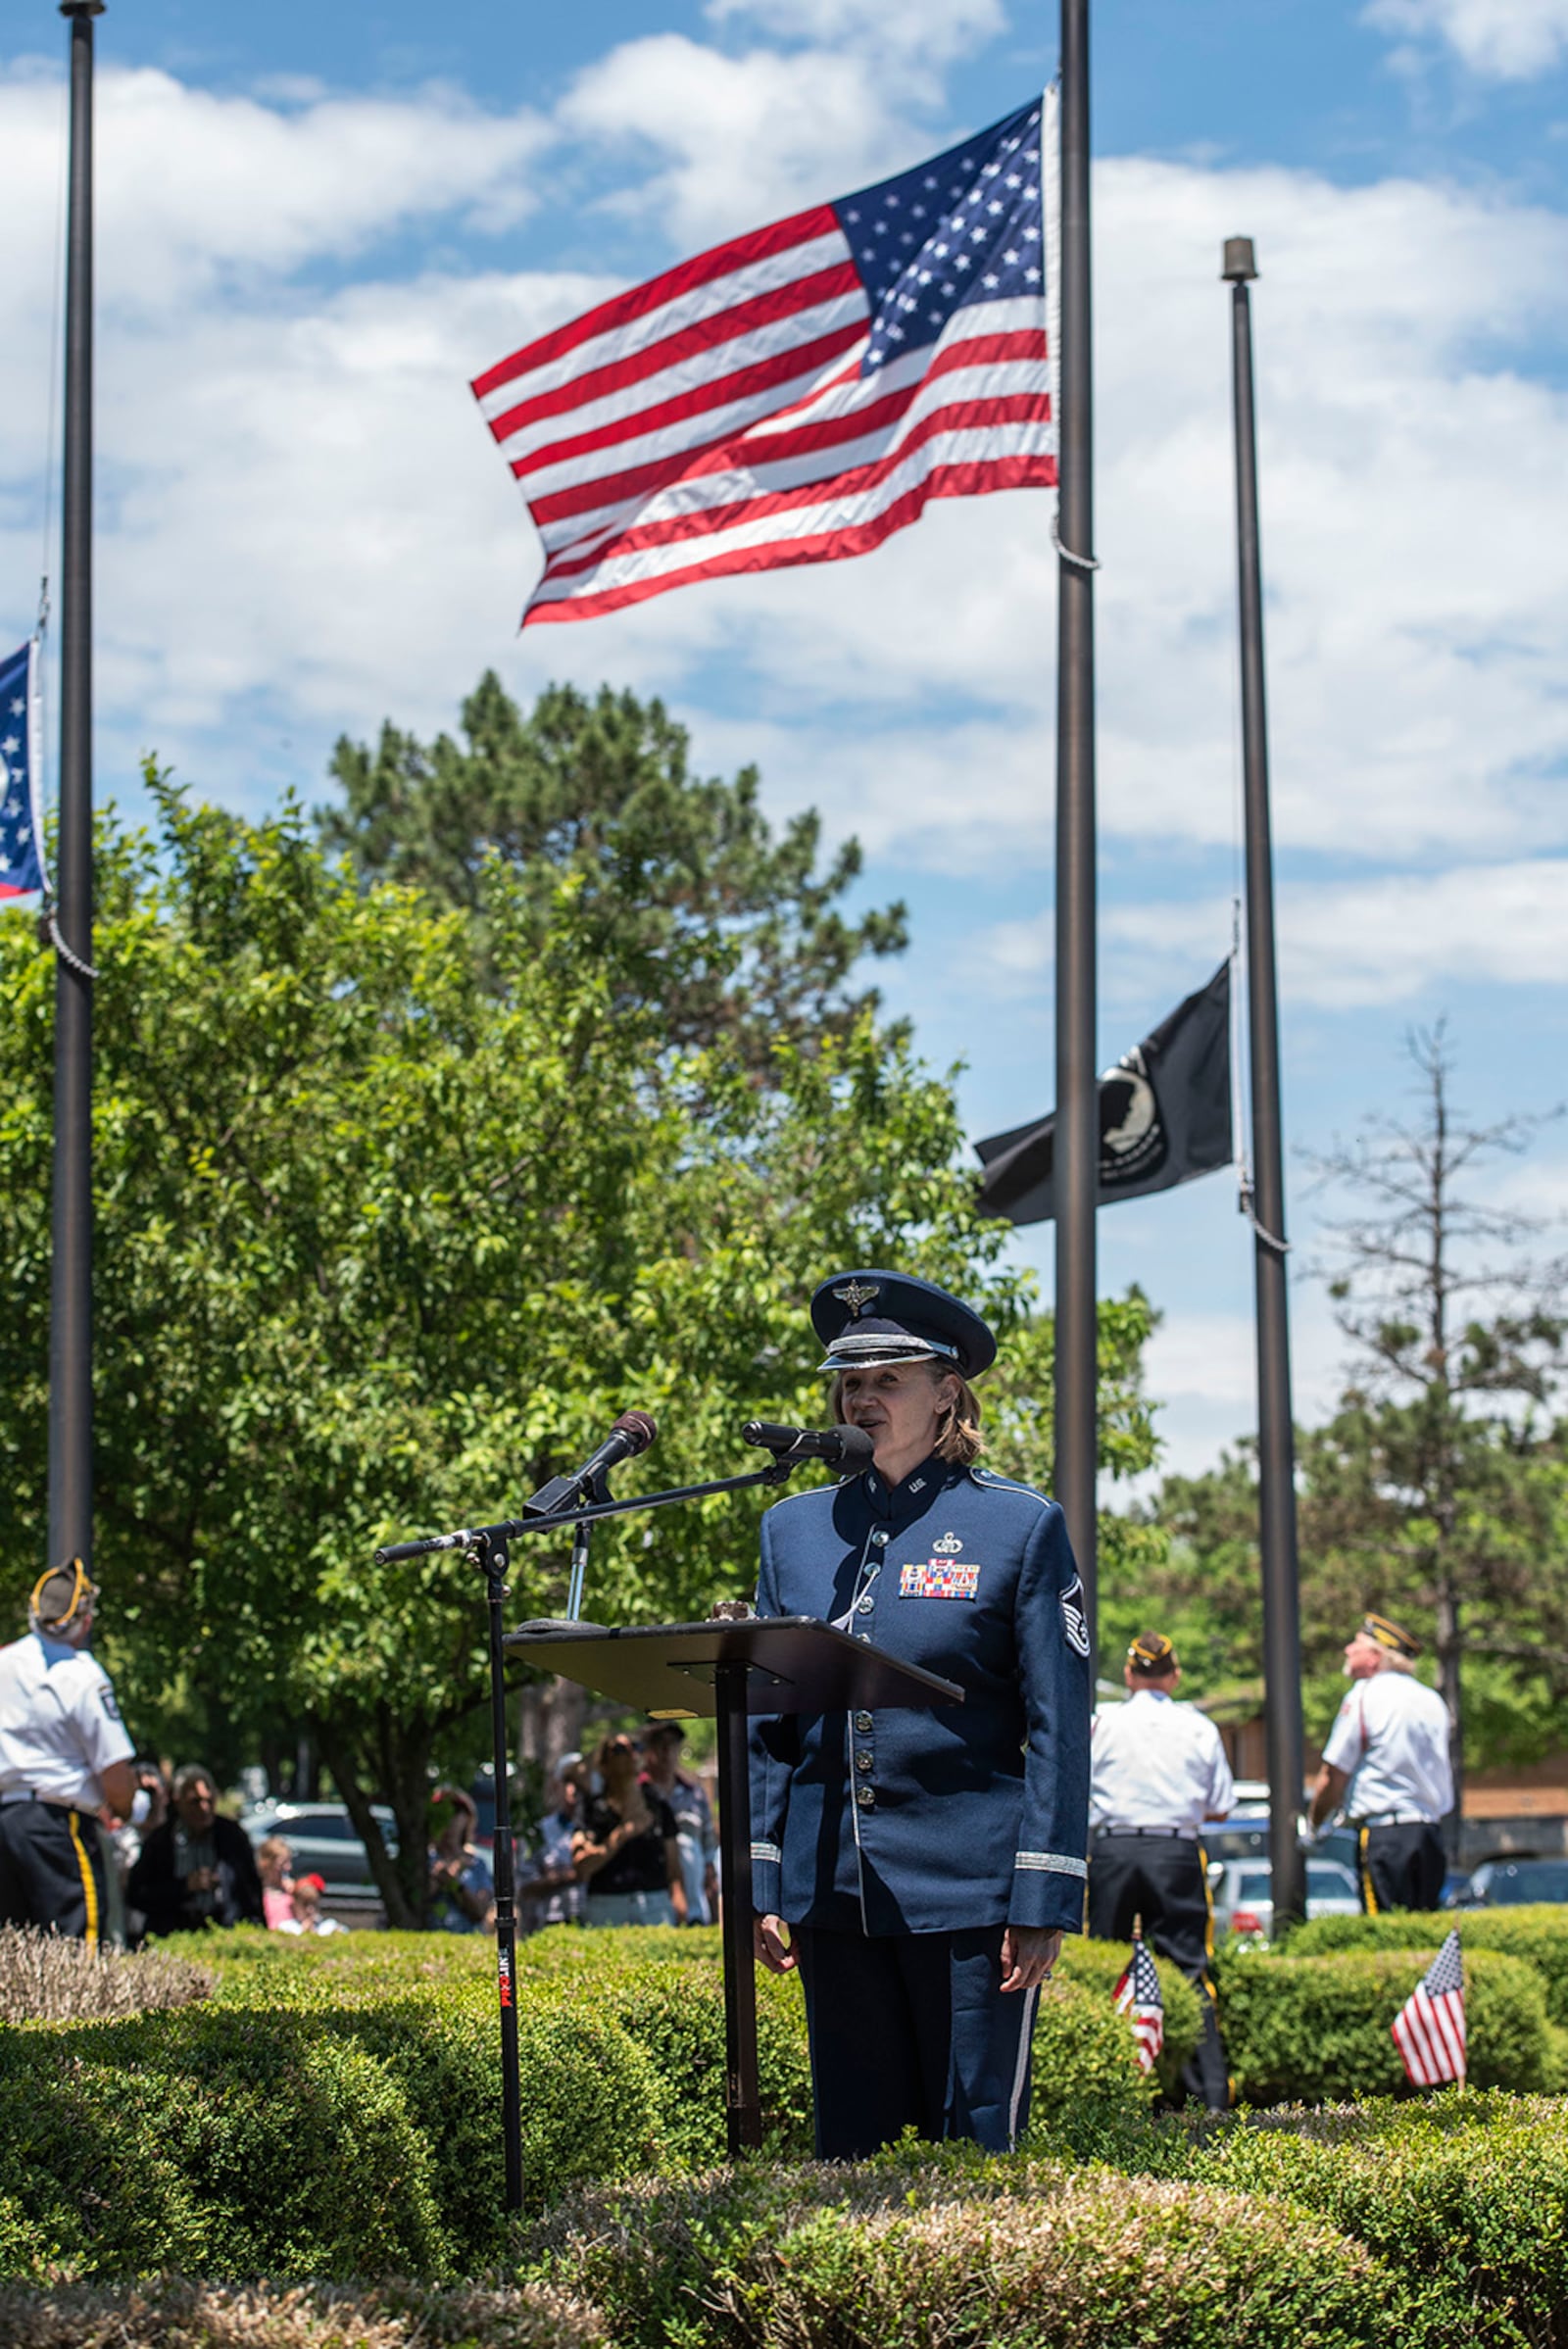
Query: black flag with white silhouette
1164 1117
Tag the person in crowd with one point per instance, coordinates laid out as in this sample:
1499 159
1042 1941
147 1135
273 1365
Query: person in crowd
551 1893
1158 1771
63 1758
687 1797
197 1868
463 1888
1386 1765
919 1866
273 1862
306 1914
627 1850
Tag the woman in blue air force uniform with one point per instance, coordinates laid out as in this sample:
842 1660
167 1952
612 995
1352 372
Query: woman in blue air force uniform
919 1866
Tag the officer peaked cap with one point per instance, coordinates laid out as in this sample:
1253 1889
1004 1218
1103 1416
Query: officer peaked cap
1389 1634
869 1319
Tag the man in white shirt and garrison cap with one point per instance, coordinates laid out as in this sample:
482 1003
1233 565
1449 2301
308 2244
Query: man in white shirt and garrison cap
1158 1771
64 1754
1387 1764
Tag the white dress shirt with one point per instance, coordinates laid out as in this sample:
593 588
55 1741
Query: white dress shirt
60 1727
1156 1763
1391 1739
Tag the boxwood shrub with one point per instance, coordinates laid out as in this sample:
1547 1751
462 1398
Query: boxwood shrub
939 2246
1537 1934
1316 2029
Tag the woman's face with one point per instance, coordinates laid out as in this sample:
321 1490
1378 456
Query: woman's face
900 1406
619 1764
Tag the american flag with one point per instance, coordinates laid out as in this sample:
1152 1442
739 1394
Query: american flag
1138 1997
21 765
797 394
1429 2029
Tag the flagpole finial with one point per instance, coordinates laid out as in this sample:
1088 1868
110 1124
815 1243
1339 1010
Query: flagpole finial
83 7
1240 266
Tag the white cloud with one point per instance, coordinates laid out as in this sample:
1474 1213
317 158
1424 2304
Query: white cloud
928 30
1508 41
735 141
1343 946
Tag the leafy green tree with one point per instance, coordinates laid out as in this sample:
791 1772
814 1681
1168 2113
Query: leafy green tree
398 1205
733 933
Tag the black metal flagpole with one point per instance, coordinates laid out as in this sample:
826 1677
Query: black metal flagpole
1077 1139
70 1304
1276 1439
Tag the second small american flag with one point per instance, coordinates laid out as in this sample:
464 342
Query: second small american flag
798 394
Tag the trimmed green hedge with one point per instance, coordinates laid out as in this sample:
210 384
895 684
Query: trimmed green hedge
940 2246
1537 1934
1309 2029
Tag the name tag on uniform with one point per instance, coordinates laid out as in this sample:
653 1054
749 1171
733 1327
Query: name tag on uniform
939 1578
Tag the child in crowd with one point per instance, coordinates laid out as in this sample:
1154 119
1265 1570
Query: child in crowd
273 1859
306 1902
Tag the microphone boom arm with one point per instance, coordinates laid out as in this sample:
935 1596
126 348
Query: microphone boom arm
509 1528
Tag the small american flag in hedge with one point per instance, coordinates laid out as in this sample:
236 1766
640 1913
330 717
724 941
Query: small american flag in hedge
1429 2029
1138 1997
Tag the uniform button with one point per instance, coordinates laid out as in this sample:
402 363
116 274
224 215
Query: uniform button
881 1539
863 1761
866 1796
866 1605
863 1721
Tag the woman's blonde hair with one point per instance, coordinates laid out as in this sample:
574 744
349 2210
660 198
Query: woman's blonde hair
960 1440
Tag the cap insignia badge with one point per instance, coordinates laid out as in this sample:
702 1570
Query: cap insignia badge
856 1295
948 1548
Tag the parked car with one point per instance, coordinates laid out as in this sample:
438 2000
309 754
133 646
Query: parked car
1504 1884
1242 1834
1242 1894
325 1842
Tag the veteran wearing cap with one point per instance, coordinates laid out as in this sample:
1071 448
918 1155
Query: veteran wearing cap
919 1866
1386 1765
1158 1772
64 1754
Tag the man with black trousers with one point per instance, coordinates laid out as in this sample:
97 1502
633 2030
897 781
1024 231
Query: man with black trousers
1388 1764
197 1868
1158 1771
64 1754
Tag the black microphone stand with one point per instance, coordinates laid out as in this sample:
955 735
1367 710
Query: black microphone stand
489 1548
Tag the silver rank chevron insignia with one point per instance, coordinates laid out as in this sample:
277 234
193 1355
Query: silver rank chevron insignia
856 1295
940 1577
1074 1620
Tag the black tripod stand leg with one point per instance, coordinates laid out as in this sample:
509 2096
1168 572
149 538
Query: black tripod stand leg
495 1561
743 2109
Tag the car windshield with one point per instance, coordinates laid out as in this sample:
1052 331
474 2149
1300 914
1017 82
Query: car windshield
1529 1880
1253 1884
1326 1881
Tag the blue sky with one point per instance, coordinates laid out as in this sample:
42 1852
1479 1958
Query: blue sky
317 224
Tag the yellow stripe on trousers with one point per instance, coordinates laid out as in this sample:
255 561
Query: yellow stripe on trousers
90 1884
1368 1895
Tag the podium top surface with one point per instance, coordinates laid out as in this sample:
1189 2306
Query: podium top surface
794 1665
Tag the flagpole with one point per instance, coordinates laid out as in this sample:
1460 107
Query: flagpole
1276 1441
70 1304
1077 1138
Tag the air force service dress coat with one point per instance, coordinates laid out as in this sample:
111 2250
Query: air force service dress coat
938 1819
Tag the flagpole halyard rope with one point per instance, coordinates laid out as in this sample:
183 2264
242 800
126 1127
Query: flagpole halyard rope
1080 562
67 956
1281 1248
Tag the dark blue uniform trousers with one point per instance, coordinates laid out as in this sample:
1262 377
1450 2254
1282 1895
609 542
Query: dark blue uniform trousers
912 2030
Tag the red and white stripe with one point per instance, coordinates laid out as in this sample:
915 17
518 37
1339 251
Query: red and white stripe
1429 2034
714 419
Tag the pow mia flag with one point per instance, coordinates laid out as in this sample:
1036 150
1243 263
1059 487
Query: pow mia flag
1164 1117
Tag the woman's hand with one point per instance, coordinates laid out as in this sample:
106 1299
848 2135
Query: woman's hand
1028 1956
771 1945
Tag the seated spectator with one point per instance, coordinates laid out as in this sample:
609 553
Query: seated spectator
463 1890
550 1890
197 1868
626 1850
305 1909
273 1858
687 1797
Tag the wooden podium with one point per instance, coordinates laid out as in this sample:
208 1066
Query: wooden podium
730 1670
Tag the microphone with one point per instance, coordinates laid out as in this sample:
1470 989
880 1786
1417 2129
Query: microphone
848 1448
632 1433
